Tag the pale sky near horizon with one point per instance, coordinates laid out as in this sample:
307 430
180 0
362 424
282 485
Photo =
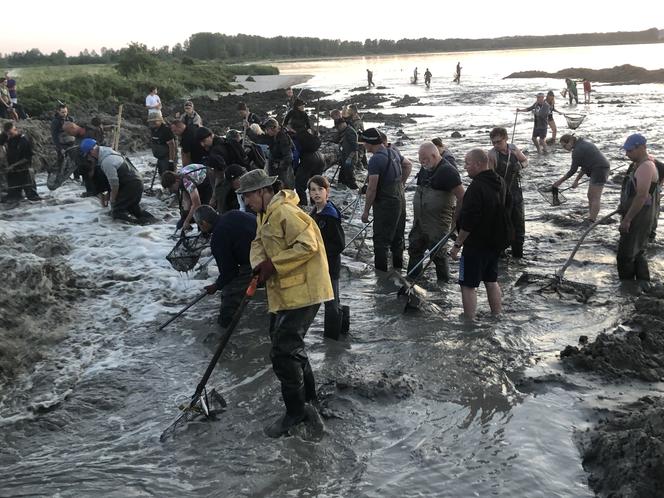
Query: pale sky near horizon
74 27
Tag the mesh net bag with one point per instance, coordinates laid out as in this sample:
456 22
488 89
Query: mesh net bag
186 253
574 120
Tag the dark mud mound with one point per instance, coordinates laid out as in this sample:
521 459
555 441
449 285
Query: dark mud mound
624 453
618 74
633 350
39 290
383 386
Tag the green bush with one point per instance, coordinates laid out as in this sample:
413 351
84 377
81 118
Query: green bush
173 80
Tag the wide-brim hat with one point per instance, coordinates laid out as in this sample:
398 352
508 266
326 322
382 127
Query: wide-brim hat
255 180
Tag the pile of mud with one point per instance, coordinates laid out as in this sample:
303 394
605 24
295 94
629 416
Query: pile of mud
134 136
624 453
39 295
634 350
618 74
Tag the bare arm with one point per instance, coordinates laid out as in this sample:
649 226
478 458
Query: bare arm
458 193
406 168
644 175
172 151
372 187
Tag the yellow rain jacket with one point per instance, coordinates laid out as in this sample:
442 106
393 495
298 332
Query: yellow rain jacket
291 239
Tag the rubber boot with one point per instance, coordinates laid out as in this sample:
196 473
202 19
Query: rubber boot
295 414
310 394
443 270
333 319
345 319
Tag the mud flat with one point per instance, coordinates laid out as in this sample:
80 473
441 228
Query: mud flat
617 74
39 292
624 451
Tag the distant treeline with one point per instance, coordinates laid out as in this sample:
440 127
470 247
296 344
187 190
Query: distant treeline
217 46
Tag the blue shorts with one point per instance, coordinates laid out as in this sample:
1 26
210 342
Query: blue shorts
478 265
539 132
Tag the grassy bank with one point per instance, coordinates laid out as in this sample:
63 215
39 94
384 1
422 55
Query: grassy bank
40 88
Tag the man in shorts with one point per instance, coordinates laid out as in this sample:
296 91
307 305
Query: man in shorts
540 110
482 233
586 155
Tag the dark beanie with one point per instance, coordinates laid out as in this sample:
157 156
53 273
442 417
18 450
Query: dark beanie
202 133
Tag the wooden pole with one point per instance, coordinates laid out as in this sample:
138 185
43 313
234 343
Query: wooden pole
116 137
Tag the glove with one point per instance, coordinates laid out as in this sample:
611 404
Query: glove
211 289
264 270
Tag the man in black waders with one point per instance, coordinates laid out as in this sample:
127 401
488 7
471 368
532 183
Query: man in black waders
162 142
637 204
232 234
436 206
385 195
349 153
19 162
508 161
289 256
125 183
93 178
281 150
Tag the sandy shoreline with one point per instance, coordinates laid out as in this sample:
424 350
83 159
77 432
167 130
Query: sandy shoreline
267 83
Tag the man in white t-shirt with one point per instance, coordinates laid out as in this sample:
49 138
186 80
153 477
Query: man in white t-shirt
153 102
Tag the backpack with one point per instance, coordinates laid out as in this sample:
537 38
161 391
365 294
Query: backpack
504 235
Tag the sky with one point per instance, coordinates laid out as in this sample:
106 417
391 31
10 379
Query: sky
116 23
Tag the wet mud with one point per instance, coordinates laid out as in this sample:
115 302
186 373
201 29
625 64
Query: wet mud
624 452
635 349
38 299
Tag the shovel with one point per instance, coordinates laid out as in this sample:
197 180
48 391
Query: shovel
557 283
200 404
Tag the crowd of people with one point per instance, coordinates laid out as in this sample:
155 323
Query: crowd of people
259 193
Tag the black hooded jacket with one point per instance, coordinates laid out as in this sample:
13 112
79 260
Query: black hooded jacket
482 212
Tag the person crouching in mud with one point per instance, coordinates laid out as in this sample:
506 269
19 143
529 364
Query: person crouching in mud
289 256
124 182
230 243
193 188
587 156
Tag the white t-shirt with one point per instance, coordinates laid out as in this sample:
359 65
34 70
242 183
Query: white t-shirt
151 101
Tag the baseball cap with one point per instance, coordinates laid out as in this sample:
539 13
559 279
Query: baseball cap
370 136
634 141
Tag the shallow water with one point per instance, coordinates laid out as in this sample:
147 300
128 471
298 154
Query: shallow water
424 404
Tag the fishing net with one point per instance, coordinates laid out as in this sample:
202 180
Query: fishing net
186 253
574 120
63 169
556 284
552 195
205 407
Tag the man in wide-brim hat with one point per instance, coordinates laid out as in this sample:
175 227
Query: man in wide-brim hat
288 254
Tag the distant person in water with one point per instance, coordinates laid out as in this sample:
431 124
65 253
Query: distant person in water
427 78
415 76
587 156
551 100
586 91
572 93
540 110
370 82
457 76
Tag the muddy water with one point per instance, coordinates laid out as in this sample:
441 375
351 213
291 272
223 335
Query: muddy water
420 404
